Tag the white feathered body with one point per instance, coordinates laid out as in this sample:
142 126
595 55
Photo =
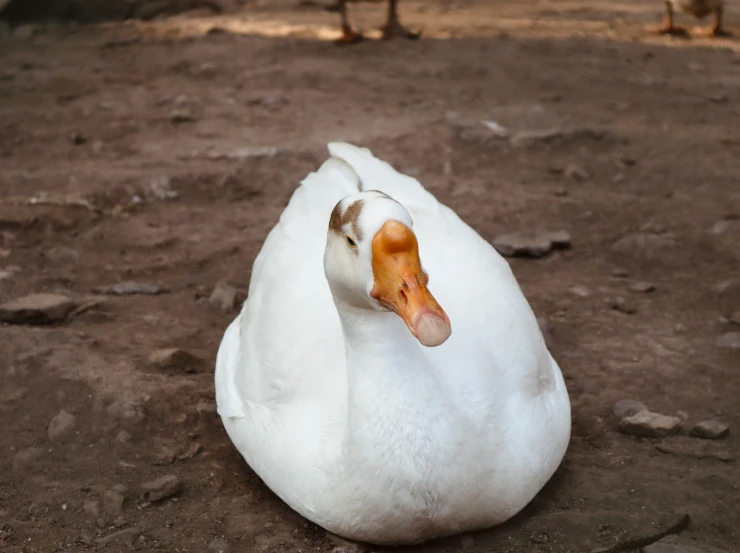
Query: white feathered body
393 443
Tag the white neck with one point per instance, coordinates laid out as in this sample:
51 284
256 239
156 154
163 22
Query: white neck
396 399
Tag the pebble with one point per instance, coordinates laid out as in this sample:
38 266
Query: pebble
710 430
577 173
190 452
727 286
530 243
650 425
730 340
127 536
26 457
162 189
580 291
61 425
627 408
175 358
179 116
620 273
37 309
623 305
467 541
161 488
123 437
218 545
223 295
130 288
677 544
642 287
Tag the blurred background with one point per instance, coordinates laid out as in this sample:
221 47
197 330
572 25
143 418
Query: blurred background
148 146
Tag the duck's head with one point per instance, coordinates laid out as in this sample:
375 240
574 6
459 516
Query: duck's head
372 261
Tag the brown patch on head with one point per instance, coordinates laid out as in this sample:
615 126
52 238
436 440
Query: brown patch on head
350 216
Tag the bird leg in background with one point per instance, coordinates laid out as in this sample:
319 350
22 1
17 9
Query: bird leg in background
717 29
349 35
393 27
668 28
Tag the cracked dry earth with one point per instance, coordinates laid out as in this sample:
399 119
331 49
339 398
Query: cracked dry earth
161 154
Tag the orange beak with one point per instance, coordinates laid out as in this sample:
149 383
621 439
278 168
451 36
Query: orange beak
401 284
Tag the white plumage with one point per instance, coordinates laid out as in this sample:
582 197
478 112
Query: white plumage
339 408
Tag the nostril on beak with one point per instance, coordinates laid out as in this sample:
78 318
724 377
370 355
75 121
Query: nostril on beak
404 299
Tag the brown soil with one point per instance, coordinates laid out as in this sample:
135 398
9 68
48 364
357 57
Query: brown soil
232 120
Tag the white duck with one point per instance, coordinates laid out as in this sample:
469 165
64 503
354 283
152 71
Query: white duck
329 385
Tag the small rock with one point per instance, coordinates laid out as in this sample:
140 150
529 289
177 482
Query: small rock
162 488
531 244
179 116
190 452
623 305
560 239
561 192
37 309
78 138
123 437
224 296
627 408
727 286
710 430
129 288
580 291
576 173
620 273
162 189
61 425
730 340
175 358
218 545
126 536
165 456
26 457
112 502
650 425
677 544
642 287
719 98
5 274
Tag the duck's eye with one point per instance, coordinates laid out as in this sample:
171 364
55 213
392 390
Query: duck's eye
350 242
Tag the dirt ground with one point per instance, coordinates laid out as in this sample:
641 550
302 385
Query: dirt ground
163 153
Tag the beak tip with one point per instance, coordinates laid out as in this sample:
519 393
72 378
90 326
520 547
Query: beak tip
432 330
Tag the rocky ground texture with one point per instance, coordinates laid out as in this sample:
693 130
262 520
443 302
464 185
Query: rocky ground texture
142 165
